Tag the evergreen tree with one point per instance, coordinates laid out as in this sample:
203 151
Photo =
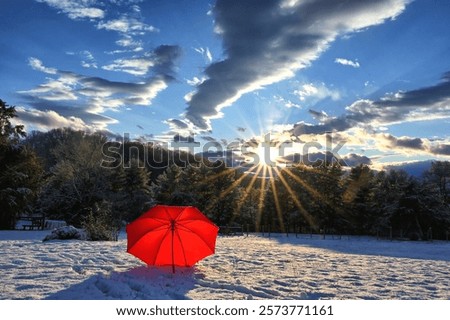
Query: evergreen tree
357 198
9 134
136 193
330 209
20 170
389 188
220 194
166 186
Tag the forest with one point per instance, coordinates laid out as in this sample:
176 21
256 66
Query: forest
73 176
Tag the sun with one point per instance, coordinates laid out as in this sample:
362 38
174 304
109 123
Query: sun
266 155
264 152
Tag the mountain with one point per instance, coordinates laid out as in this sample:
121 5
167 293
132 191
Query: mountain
415 169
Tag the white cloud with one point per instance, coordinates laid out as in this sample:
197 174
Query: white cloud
126 25
86 64
76 9
88 60
206 53
88 55
129 24
37 65
53 90
346 62
313 92
195 81
128 42
290 104
286 102
134 66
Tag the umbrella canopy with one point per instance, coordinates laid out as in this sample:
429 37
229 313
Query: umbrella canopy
171 235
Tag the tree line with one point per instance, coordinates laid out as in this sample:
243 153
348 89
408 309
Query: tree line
72 175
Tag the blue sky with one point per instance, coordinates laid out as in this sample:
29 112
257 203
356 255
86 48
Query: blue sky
374 73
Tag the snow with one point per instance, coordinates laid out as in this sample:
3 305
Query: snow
54 224
253 267
66 233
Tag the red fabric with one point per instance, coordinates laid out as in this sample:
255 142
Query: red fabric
151 238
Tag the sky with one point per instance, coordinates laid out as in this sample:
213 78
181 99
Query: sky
367 80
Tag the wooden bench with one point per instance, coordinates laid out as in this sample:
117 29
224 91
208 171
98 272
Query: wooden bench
36 223
231 231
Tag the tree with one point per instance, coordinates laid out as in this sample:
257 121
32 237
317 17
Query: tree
439 174
330 205
357 198
20 170
77 182
219 193
9 134
166 186
133 195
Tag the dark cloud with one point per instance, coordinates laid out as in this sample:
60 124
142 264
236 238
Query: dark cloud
49 119
165 57
313 158
442 149
177 124
65 109
421 97
332 125
209 139
426 103
405 142
318 115
241 129
266 41
160 61
184 139
418 144
353 160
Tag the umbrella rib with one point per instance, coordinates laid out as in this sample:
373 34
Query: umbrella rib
182 247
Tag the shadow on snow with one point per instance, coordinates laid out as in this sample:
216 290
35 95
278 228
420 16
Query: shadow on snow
152 283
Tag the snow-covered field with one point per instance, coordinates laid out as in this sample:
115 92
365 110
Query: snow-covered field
251 267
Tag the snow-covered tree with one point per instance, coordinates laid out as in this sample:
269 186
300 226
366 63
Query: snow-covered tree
77 181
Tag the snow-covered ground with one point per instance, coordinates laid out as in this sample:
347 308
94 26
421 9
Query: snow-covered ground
251 267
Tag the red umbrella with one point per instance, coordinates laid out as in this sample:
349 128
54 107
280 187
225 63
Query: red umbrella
171 235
